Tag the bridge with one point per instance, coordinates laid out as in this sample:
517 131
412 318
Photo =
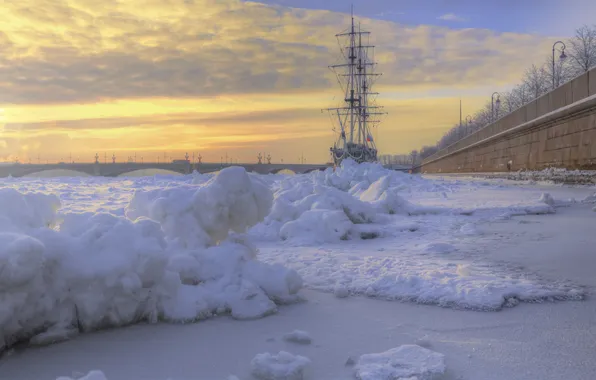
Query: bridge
182 167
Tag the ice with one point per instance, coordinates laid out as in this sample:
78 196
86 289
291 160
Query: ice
547 198
406 362
298 336
280 366
173 260
81 254
92 375
439 247
199 216
318 226
590 199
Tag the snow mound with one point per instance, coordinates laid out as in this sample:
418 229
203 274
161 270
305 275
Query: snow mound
318 226
406 362
26 210
88 271
200 216
298 336
547 199
329 206
281 366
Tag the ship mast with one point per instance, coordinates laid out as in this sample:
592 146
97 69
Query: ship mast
356 77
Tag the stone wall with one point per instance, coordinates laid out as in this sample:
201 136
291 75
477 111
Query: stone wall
557 129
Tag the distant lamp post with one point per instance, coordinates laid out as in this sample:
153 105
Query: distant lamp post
561 57
492 104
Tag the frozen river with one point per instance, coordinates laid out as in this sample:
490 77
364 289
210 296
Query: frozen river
495 277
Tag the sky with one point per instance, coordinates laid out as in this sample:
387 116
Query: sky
234 78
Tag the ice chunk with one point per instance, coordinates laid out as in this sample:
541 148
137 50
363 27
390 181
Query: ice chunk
590 199
547 199
93 375
438 247
401 363
298 336
318 226
341 291
280 366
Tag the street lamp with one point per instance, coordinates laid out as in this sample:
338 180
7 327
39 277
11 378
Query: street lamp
492 104
561 57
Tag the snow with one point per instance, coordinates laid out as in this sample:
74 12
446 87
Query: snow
84 271
401 363
86 253
298 336
280 366
552 175
93 375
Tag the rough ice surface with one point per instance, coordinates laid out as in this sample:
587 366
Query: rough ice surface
82 254
554 175
298 336
429 226
172 259
406 362
280 366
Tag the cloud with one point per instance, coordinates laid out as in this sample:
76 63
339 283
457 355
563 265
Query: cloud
180 75
451 17
390 13
80 51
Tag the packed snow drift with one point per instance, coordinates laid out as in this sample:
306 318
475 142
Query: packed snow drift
171 259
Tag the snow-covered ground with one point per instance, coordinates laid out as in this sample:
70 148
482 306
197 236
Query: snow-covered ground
83 254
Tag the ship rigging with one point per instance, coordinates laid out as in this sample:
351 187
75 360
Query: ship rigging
359 115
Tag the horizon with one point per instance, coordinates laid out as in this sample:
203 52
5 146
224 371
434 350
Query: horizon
235 78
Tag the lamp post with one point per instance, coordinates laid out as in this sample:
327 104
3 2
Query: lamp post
492 104
561 57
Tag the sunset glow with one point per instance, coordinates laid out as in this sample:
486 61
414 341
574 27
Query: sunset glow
226 77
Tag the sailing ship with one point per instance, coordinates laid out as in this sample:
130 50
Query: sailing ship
358 115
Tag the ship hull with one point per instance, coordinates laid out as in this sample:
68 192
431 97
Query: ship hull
357 152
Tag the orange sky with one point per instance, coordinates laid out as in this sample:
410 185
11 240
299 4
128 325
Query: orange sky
220 77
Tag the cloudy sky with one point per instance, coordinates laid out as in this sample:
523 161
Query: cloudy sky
232 77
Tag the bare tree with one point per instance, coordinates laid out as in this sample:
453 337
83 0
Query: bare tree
582 49
520 95
414 156
508 101
563 71
537 81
